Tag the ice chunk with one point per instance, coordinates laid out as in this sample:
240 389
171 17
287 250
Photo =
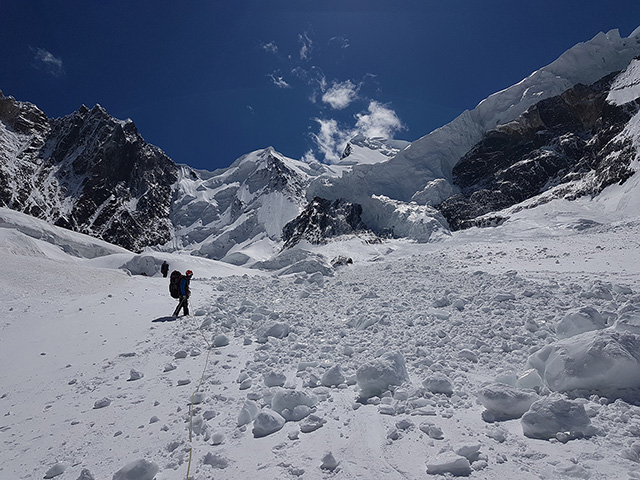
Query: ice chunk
293 405
469 451
220 340
599 360
312 423
468 354
137 470
275 379
248 413
504 297
529 379
57 469
438 383
553 415
628 321
275 330
267 422
332 377
103 402
329 462
504 402
378 375
449 463
215 460
579 321
135 375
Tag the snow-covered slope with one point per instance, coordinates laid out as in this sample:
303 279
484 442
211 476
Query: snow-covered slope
365 151
411 173
417 361
238 213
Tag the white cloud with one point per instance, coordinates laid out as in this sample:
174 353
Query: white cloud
278 80
46 61
306 47
340 95
332 138
381 121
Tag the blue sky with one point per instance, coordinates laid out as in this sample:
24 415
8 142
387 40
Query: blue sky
208 81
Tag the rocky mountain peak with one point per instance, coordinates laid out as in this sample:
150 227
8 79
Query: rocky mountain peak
323 219
22 117
88 172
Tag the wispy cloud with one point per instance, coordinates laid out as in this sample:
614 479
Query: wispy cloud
341 42
340 95
345 107
306 46
270 47
278 80
330 140
45 60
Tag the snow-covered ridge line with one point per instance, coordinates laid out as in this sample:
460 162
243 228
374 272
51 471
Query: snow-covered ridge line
408 176
73 243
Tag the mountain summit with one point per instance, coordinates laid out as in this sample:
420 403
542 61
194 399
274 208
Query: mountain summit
87 171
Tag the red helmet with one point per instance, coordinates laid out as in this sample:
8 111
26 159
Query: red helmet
189 273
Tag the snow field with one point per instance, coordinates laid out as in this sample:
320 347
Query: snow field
413 362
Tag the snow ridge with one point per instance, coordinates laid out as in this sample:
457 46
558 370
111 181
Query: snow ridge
433 156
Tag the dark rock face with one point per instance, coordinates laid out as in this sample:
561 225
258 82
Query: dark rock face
87 172
324 219
557 141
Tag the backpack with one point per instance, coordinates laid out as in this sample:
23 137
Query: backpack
174 284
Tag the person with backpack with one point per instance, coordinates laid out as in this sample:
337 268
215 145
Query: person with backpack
164 269
180 286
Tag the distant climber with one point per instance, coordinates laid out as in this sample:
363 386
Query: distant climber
164 269
183 291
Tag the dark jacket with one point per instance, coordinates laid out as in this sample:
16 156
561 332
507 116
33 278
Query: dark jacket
184 286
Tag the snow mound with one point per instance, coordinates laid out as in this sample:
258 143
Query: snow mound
309 266
601 360
143 265
71 243
556 417
285 259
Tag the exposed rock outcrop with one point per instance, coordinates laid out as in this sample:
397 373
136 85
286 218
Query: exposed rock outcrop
324 219
571 139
